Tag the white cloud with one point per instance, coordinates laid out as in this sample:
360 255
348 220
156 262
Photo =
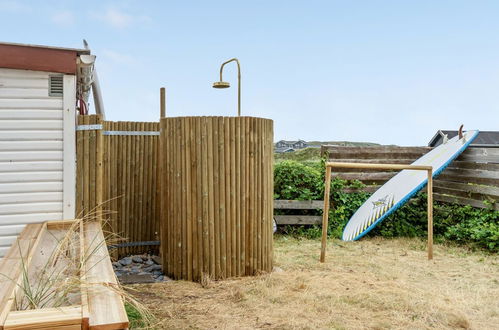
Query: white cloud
119 19
63 18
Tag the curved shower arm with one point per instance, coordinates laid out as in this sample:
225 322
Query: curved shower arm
231 60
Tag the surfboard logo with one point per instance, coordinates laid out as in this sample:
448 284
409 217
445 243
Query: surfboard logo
380 206
380 202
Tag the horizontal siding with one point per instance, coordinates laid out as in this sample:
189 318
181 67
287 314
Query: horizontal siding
30 135
23 82
30 187
49 145
40 125
6 241
27 208
23 74
11 230
16 219
31 153
24 93
3 251
29 197
9 156
26 177
27 166
30 114
52 103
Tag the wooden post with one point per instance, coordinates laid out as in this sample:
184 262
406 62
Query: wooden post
325 213
99 175
162 102
430 214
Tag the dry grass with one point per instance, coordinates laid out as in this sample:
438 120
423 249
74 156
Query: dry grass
370 284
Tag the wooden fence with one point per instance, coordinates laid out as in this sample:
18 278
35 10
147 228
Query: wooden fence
299 206
117 172
471 179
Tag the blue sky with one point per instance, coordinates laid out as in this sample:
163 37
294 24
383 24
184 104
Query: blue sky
391 72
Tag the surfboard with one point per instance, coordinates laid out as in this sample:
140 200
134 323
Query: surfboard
396 191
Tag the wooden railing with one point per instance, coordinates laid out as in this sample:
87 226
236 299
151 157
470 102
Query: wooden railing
297 219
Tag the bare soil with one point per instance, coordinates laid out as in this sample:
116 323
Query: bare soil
369 284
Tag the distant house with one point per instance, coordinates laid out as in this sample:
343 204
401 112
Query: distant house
489 139
288 146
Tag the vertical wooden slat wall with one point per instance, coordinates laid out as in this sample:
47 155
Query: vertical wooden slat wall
216 196
117 173
89 175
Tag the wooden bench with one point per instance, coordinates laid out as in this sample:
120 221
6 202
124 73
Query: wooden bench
298 219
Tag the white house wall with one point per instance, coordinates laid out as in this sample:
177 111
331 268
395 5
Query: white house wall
33 140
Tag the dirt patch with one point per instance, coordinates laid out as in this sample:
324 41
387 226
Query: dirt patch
370 284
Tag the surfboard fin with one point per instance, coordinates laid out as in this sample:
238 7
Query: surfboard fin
445 137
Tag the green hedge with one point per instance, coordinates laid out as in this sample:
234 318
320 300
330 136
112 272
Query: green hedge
461 224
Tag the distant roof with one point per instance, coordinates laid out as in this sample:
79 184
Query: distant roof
285 141
484 138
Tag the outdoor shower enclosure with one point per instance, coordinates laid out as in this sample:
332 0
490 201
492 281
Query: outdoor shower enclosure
216 196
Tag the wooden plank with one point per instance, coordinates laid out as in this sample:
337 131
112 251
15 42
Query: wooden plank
11 266
474 166
60 224
248 183
481 155
106 308
378 152
85 313
298 219
377 166
46 318
325 215
92 161
215 194
187 188
468 188
99 171
430 213
298 205
463 201
162 102
463 193
199 197
258 193
242 190
145 216
225 263
113 181
471 176
86 169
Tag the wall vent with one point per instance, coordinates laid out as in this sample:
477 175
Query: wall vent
56 86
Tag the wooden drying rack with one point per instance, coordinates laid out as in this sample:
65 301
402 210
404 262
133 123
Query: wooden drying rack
325 215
